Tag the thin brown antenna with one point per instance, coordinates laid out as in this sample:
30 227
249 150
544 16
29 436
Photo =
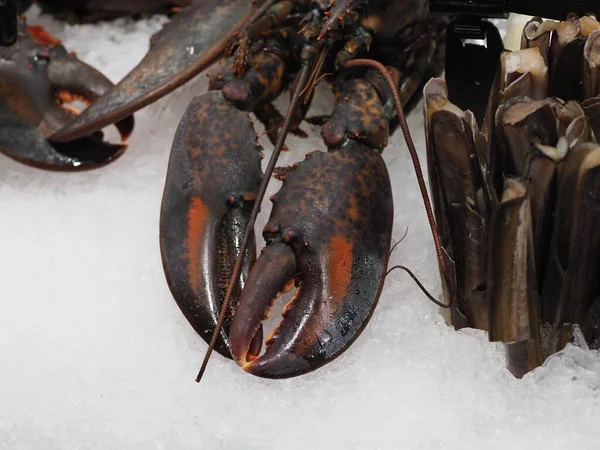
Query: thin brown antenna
313 81
237 269
397 243
415 159
416 280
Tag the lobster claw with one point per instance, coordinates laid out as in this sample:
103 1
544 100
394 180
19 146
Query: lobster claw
36 75
212 180
192 41
329 233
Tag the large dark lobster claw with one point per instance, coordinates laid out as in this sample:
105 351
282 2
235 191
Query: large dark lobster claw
212 181
192 41
330 232
36 75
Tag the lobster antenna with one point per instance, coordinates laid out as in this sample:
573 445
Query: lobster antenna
314 77
415 159
416 280
396 244
237 269
412 275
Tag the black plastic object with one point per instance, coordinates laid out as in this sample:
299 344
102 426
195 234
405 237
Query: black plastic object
550 9
8 22
473 49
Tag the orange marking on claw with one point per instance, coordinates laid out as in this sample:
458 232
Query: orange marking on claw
65 96
340 267
197 218
42 37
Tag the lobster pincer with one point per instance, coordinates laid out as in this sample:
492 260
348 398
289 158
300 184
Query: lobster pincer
192 41
213 178
329 233
37 78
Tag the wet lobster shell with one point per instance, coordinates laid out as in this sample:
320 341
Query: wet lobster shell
518 202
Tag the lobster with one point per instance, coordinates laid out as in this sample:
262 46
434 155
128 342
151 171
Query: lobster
329 234
517 202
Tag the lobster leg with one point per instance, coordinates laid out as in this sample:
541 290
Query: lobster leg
213 177
35 76
192 41
271 119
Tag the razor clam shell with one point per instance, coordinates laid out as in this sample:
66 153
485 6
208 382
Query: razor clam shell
578 132
591 106
435 94
572 283
523 123
536 33
591 71
471 252
453 147
524 73
566 61
542 175
455 167
512 286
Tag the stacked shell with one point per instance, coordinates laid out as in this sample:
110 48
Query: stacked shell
518 203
